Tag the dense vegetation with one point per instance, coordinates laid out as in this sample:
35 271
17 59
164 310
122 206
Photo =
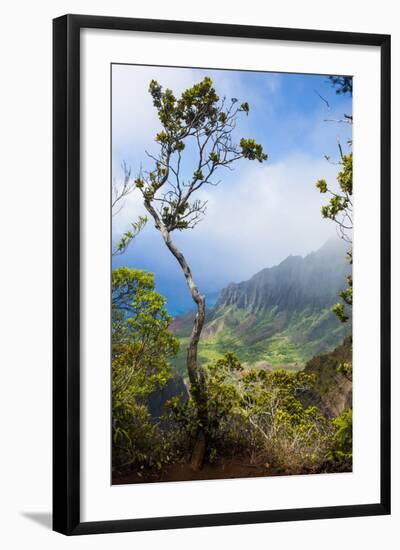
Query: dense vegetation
141 347
283 422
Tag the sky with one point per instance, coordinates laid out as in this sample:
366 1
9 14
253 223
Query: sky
259 213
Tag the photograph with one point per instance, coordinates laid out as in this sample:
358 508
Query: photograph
231 284
199 372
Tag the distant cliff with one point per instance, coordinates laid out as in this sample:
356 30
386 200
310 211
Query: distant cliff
294 284
279 317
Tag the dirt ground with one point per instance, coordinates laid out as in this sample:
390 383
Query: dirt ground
223 469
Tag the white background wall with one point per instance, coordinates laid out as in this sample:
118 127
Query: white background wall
25 383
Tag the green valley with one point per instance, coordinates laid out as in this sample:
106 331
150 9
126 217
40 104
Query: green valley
280 318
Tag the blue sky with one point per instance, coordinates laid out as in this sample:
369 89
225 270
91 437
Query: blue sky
260 213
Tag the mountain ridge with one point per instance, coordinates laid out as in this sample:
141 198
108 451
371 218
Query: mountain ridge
279 317
284 278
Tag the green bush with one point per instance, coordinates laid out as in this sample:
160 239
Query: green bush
141 347
261 411
342 439
259 414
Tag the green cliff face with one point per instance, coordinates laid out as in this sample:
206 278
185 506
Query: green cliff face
281 317
333 384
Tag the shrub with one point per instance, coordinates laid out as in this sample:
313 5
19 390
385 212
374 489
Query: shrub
259 412
141 347
342 440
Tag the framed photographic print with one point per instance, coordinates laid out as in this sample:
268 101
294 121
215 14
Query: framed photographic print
221 289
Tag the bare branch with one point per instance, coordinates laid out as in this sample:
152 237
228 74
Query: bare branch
339 120
120 193
323 99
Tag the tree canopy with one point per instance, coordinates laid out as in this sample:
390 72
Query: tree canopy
141 348
201 120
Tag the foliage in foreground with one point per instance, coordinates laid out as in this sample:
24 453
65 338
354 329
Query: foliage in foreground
342 448
261 415
340 210
252 412
141 348
340 206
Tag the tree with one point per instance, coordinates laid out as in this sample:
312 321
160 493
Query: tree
141 347
343 84
119 194
204 123
340 206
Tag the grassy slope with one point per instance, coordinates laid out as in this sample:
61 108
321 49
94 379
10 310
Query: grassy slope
269 338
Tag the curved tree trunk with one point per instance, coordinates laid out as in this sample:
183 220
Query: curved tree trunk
198 387
196 374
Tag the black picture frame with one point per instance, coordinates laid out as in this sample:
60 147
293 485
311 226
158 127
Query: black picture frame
66 272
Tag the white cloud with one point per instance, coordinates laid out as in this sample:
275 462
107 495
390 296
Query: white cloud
256 217
271 212
135 121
